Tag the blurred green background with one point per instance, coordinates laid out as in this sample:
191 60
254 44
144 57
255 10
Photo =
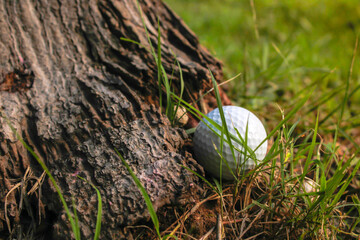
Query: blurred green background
280 47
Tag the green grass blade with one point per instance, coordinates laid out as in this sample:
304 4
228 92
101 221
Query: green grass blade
291 130
247 152
346 184
99 207
311 149
224 125
146 197
221 157
219 186
132 41
212 89
182 85
158 61
99 216
76 219
322 178
190 131
152 51
163 75
168 91
263 206
169 236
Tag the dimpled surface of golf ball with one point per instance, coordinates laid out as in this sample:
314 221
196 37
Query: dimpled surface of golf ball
205 138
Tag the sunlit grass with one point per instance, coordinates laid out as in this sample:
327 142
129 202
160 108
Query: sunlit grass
299 42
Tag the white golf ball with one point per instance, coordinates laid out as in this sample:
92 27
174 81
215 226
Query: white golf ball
236 118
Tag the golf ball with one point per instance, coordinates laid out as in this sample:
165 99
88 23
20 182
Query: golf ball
205 140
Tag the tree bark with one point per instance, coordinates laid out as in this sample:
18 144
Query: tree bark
75 91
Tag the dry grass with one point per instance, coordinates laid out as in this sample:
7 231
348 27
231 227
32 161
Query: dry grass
27 187
257 211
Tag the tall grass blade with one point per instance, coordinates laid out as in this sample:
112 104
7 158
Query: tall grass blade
222 115
182 85
146 197
168 91
212 89
311 149
158 61
152 51
76 219
99 207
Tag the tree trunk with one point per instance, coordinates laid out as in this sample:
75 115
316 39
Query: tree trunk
75 91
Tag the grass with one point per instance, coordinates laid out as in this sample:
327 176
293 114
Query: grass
301 190
299 42
306 215
300 213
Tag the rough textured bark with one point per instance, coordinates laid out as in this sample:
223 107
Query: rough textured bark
75 91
